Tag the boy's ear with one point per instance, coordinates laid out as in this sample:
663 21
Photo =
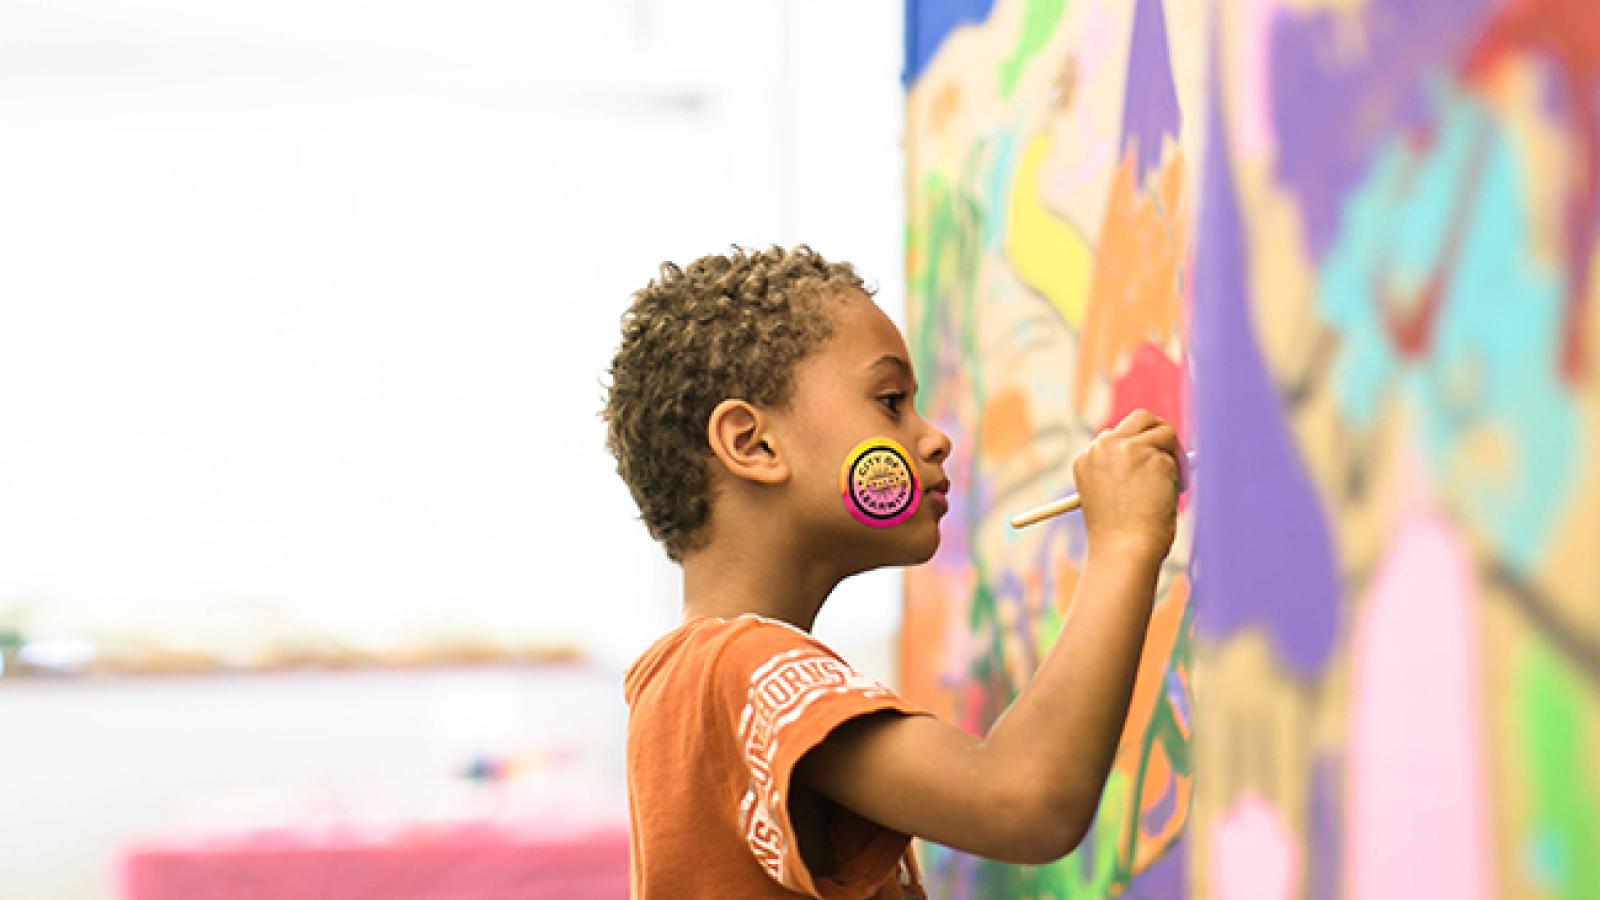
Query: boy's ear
739 437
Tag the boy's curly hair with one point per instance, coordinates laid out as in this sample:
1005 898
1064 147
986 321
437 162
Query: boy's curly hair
729 325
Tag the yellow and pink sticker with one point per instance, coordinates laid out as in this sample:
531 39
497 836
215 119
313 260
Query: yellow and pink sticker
879 483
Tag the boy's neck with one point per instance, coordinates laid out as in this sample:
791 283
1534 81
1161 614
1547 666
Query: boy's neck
730 578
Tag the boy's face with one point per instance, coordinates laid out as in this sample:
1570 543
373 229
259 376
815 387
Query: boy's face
859 386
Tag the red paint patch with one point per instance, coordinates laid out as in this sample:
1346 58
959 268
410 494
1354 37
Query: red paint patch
1154 382
1567 33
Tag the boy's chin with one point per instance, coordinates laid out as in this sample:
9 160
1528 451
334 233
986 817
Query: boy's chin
907 544
918 542
929 548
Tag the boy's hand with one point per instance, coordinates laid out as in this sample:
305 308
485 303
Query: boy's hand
1129 480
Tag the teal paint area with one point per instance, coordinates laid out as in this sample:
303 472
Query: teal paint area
1441 305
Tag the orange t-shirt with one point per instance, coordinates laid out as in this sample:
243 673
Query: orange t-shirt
721 711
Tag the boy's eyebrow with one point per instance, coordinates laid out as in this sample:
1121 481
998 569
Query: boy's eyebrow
891 361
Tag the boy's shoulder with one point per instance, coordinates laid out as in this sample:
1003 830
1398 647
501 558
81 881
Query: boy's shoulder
746 654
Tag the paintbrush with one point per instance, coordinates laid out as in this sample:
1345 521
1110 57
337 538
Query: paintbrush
1069 503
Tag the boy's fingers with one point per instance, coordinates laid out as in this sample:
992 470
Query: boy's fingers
1162 437
1165 439
1136 422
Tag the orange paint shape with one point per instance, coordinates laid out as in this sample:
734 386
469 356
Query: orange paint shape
1151 846
1135 295
1159 778
1155 777
1159 639
1066 581
923 641
944 105
1006 423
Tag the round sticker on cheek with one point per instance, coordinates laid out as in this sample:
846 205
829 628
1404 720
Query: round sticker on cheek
879 484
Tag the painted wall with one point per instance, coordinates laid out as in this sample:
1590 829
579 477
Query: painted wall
1347 246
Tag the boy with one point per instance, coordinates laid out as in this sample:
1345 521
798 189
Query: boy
761 412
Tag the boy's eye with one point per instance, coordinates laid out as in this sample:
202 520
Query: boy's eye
892 402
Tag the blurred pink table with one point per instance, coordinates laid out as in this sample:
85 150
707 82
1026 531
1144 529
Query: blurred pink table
461 864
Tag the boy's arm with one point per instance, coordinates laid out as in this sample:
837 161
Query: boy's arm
1028 791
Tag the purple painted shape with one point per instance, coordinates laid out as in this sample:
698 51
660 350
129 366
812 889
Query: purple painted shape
1150 101
1262 551
1166 878
1177 697
1325 854
1332 112
1154 819
1009 589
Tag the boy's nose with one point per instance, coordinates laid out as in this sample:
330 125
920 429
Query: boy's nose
935 446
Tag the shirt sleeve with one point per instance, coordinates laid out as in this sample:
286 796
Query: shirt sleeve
785 692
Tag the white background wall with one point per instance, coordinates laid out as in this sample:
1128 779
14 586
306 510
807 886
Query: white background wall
306 304
303 313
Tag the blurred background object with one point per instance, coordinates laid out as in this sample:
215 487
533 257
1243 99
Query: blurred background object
307 535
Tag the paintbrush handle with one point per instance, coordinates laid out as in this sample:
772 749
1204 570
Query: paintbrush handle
1047 511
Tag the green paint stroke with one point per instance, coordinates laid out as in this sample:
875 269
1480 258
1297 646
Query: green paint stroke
1091 871
947 234
1038 21
1557 726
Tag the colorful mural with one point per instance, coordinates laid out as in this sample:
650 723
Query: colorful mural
1346 246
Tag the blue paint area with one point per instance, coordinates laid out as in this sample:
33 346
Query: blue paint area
1263 557
1545 859
1490 371
997 190
929 22
1150 103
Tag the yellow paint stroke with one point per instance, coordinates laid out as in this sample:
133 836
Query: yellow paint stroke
1048 254
1136 296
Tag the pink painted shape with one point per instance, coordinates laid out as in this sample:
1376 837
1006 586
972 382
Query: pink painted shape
1254 857
1253 85
1416 822
470 862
